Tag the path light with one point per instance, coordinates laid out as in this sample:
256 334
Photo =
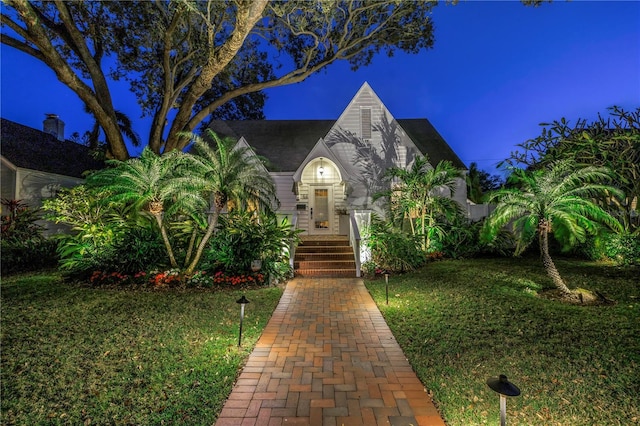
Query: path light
242 301
386 284
505 388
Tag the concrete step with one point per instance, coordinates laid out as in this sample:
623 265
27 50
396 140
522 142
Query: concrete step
324 249
313 243
324 256
325 264
333 273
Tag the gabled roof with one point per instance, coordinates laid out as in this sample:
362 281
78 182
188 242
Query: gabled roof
429 141
286 143
33 149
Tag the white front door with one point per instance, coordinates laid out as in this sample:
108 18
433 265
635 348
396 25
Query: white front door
321 211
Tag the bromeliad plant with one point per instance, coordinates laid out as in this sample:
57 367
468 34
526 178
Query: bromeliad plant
558 200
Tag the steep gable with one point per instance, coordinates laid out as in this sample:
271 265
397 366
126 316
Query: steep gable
285 143
364 131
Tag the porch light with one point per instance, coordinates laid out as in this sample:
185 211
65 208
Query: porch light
242 301
505 388
321 168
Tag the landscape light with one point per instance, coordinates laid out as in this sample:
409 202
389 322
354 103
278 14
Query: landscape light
505 388
242 301
386 285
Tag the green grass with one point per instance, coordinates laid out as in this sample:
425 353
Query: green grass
461 322
77 355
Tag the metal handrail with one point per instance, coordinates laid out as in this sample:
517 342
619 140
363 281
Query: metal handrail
292 243
354 241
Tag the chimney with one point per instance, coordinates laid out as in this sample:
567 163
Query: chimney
54 126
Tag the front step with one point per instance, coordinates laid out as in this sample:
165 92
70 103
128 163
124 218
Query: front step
329 256
326 273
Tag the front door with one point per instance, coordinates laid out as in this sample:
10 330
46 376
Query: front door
321 211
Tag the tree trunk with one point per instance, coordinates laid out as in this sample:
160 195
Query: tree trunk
549 266
165 238
192 242
203 243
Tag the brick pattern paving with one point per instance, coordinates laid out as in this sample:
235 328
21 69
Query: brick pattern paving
327 357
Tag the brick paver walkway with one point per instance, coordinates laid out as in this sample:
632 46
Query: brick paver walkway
327 357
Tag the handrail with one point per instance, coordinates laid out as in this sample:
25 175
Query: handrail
354 240
292 242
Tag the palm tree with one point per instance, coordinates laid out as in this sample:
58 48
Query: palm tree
92 137
558 200
147 184
229 176
423 192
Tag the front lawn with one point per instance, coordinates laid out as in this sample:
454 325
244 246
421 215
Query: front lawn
77 355
461 322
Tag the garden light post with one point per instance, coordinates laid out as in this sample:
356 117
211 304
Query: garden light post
505 388
242 301
386 285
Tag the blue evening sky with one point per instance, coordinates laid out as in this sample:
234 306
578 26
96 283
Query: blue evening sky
497 70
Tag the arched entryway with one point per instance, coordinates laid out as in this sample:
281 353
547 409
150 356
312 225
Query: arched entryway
322 187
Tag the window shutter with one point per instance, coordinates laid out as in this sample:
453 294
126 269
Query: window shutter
365 122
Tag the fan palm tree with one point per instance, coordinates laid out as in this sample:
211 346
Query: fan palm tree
228 176
147 184
558 200
422 193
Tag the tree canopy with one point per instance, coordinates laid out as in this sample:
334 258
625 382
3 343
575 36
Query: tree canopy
186 60
611 141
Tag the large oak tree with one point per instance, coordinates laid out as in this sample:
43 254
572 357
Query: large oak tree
186 60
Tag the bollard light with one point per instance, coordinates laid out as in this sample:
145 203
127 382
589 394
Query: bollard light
242 301
505 388
386 285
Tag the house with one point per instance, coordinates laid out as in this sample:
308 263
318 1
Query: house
34 164
324 169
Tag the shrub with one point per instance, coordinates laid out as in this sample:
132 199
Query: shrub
392 249
623 249
24 248
89 249
29 255
243 237
20 224
137 249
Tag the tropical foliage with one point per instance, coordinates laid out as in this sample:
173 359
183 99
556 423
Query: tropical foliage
611 141
159 213
422 193
480 182
244 237
147 185
232 177
391 248
557 200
